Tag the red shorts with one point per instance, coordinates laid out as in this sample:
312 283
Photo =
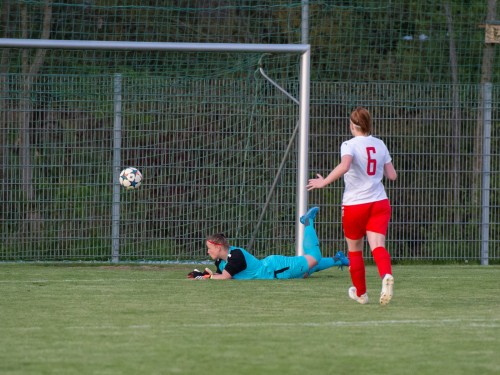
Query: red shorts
360 218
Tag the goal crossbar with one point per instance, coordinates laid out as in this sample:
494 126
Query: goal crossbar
152 46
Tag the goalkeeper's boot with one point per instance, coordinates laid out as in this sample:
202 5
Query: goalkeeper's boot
310 215
387 289
363 299
341 260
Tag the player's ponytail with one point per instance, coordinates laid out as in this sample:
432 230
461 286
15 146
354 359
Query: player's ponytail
362 119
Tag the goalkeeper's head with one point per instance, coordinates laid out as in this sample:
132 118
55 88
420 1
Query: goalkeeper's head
218 246
218 240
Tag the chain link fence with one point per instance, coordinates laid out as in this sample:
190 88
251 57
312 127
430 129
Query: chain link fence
210 152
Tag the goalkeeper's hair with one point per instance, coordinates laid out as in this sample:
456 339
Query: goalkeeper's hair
218 239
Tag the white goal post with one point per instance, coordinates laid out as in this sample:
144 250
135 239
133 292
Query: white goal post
304 82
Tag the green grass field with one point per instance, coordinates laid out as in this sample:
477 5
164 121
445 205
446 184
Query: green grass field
67 319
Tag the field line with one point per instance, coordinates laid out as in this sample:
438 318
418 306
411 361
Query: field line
489 323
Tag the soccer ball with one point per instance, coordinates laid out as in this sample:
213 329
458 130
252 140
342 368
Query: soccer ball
130 178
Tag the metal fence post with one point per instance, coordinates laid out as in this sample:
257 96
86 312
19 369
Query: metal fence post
117 135
485 201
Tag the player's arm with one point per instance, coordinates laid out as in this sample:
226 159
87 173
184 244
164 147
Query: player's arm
236 263
221 276
390 172
340 170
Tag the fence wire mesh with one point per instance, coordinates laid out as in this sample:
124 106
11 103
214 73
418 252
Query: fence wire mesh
209 132
365 40
210 151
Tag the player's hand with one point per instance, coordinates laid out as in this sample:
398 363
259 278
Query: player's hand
316 183
198 275
208 270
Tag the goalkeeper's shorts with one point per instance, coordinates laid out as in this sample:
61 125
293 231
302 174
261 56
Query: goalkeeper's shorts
283 267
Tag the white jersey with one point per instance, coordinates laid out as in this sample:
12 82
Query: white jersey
363 181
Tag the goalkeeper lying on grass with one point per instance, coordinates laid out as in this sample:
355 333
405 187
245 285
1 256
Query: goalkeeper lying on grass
237 263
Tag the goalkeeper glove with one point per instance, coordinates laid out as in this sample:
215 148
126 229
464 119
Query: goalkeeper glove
198 275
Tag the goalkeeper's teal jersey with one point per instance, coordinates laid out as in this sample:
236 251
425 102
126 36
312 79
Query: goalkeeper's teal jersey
244 266
240 264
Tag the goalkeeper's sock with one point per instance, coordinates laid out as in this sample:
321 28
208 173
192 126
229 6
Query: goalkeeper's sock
382 260
357 271
310 244
324 264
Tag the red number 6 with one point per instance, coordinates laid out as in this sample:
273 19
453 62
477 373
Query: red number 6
371 167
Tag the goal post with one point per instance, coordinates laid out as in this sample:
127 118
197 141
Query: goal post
304 92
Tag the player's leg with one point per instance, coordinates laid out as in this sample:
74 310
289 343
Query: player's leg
357 270
323 264
353 222
339 260
376 230
310 244
380 254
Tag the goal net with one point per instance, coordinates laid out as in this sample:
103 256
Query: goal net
218 150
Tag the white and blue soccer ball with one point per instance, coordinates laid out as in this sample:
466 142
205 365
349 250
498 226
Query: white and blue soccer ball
130 178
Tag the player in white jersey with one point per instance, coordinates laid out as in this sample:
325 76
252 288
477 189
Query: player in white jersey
366 211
